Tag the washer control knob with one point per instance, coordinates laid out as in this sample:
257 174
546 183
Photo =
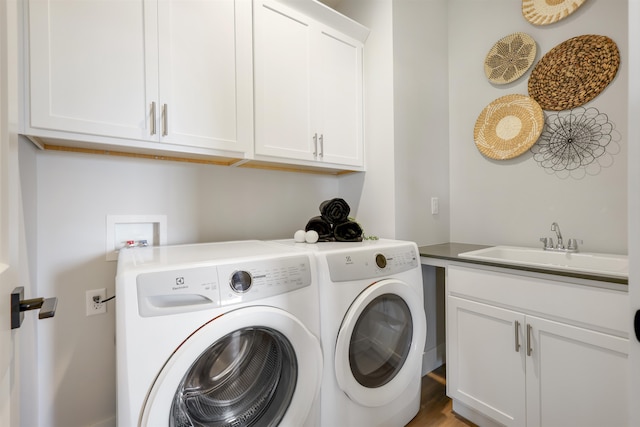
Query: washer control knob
240 281
381 261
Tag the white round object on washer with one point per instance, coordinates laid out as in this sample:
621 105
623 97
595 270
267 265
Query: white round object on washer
311 236
299 236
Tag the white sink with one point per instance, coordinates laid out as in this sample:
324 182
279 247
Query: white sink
586 262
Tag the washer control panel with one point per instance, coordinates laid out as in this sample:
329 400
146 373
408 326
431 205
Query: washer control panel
371 263
199 288
261 279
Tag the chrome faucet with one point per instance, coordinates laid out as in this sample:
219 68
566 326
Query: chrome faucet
547 242
555 227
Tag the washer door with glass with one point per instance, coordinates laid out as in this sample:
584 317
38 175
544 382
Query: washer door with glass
255 366
380 343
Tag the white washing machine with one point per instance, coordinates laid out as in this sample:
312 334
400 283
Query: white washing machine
220 334
373 330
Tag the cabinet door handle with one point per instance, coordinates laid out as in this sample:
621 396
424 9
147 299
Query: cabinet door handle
153 118
529 349
165 120
517 333
315 144
321 145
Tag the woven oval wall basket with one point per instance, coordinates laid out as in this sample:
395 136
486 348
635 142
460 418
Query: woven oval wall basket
510 58
574 72
508 127
545 12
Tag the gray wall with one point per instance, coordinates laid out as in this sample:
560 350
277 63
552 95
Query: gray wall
421 119
514 202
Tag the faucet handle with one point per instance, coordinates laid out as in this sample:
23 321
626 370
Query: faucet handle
547 242
573 244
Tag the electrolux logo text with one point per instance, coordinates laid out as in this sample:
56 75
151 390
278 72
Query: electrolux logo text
180 284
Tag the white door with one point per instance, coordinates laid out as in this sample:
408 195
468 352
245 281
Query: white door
486 346
380 343
9 352
574 376
634 206
7 405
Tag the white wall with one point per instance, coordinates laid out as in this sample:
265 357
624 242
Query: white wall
421 120
421 145
75 193
375 190
514 202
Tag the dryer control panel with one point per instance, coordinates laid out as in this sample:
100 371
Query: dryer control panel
167 292
371 263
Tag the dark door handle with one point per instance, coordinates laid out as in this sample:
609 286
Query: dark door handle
636 324
19 305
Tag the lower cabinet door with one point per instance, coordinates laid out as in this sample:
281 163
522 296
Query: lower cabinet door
486 359
575 376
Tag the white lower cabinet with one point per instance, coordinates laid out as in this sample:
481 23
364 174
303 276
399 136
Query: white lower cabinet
517 358
575 376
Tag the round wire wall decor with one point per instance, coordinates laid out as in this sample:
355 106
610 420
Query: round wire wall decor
575 143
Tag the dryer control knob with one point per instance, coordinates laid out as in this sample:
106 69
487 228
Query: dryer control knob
240 281
381 261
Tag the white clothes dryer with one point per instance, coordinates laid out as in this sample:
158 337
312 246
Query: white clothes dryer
373 330
219 334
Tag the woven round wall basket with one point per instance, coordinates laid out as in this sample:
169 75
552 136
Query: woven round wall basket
510 58
545 12
574 72
508 127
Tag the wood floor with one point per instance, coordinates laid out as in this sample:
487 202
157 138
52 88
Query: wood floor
435 406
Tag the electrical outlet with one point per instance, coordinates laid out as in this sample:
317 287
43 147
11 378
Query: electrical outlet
92 301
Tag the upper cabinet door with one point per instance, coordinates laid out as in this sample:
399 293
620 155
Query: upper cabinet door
339 98
159 71
206 84
308 88
88 66
283 76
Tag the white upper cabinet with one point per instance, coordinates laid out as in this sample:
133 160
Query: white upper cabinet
87 63
155 72
283 83
339 99
205 73
308 88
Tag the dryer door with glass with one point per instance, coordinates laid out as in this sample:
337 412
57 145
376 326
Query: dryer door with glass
252 366
380 342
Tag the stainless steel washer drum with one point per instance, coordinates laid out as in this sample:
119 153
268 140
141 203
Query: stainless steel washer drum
246 378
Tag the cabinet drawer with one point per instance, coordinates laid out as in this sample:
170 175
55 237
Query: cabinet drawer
589 306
